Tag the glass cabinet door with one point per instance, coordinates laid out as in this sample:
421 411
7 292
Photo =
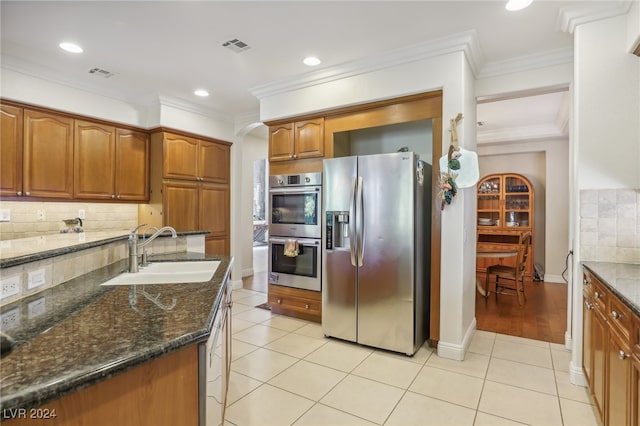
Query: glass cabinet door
516 202
489 202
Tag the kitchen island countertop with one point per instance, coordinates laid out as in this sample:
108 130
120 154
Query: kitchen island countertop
79 332
623 279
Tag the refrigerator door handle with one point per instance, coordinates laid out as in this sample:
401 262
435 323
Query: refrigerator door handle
360 223
352 222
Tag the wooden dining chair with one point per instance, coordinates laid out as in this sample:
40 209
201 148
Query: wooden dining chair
512 274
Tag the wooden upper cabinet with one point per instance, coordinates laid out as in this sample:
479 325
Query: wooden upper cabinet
94 161
48 155
132 165
10 151
213 162
214 209
293 141
180 201
281 142
180 157
309 138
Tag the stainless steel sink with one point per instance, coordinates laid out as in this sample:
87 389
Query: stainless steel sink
168 273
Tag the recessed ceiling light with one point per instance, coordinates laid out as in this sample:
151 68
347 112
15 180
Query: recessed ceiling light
70 47
201 92
311 61
513 5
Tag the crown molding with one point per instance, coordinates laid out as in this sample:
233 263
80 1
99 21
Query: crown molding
519 134
187 106
527 62
570 18
466 42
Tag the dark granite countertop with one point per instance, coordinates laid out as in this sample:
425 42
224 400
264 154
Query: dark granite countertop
79 332
623 279
25 250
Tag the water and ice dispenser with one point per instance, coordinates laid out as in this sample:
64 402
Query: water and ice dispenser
337 230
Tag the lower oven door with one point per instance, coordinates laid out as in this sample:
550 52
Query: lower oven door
299 271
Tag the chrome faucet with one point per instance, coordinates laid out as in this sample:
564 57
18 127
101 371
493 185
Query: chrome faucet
134 245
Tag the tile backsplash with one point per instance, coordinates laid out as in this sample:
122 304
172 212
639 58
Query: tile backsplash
610 225
31 219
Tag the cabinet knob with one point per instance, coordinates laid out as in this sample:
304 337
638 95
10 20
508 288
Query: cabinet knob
622 355
113 196
230 304
295 156
27 193
615 315
19 193
118 196
291 156
306 306
586 282
597 295
588 305
279 301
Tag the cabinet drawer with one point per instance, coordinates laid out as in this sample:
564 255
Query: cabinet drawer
619 316
600 296
587 286
297 303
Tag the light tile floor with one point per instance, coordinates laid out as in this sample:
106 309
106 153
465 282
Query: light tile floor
285 372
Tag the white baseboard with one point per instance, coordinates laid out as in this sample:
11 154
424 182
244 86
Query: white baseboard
548 278
457 351
568 341
576 375
247 272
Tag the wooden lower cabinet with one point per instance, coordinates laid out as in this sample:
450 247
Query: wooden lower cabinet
294 302
162 392
610 361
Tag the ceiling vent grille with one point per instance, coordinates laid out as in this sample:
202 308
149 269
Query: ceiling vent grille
101 73
236 45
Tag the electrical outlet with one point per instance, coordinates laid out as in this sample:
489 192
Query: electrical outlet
5 215
81 213
35 279
10 286
41 215
10 319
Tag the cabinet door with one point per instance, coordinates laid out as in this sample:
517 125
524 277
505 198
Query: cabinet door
587 346
10 151
132 165
213 162
619 376
599 343
180 201
94 161
634 399
48 155
281 142
214 209
309 138
180 157
217 246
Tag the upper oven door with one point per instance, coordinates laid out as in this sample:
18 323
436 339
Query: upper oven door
296 212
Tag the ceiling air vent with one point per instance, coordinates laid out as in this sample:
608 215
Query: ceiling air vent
102 73
236 45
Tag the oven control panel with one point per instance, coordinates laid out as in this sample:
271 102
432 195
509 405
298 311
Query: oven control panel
302 179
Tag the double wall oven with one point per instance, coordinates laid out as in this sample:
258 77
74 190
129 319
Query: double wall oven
295 230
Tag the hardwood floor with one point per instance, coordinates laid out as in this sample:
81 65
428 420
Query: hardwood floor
543 316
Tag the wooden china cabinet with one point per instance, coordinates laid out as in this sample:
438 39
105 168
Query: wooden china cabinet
505 210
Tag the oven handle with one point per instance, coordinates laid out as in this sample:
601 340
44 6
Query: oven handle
296 190
302 241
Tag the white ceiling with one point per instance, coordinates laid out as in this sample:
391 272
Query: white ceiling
163 49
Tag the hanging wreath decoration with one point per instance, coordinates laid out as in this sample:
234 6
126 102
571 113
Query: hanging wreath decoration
448 186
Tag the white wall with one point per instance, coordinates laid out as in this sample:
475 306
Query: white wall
253 149
606 131
552 192
451 73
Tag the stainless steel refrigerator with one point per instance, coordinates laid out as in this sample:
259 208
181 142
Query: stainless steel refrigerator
376 250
